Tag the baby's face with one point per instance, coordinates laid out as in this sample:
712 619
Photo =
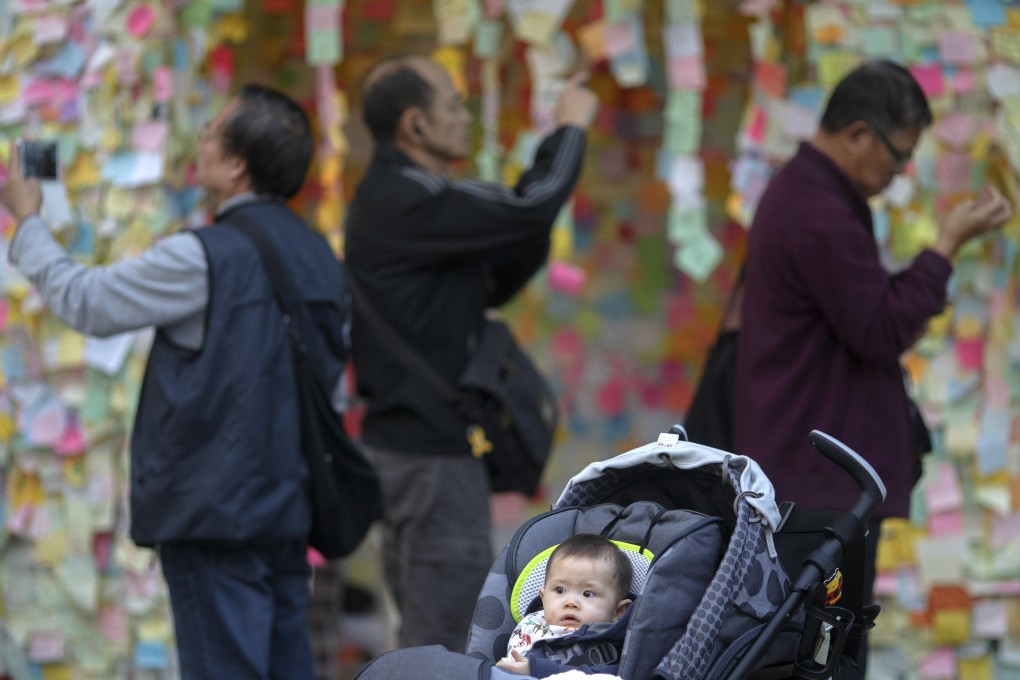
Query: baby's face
579 591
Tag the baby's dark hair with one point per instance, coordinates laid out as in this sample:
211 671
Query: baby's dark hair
598 549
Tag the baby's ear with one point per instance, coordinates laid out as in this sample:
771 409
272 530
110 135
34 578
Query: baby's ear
621 608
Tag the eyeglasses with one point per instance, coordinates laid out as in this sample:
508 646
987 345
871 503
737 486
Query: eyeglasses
900 157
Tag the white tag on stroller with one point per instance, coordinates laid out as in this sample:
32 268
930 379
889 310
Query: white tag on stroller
668 440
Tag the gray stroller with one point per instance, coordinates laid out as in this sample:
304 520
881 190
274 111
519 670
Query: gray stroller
712 552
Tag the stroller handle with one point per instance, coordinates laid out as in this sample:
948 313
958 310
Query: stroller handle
871 485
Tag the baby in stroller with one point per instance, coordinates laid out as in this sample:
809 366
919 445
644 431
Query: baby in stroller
727 582
586 591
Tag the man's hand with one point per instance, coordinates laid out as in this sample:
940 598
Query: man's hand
971 218
576 104
21 195
518 664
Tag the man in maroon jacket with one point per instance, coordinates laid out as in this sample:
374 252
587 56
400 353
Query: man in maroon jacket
823 323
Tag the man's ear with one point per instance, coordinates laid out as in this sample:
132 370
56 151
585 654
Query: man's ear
412 123
621 608
857 132
238 168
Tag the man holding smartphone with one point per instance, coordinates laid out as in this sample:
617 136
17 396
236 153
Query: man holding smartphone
218 480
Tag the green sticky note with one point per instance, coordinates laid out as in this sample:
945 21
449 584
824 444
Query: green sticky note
322 47
879 41
95 408
196 14
488 38
686 223
699 256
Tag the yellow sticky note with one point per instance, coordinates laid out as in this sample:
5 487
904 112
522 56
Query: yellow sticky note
156 629
6 423
562 244
118 204
951 627
230 28
51 548
10 88
57 671
24 488
535 27
23 48
833 65
70 350
83 173
976 669
452 59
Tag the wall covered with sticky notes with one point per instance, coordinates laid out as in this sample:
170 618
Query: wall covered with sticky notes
701 101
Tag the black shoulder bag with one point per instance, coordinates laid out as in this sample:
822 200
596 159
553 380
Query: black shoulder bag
510 408
710 418
344 487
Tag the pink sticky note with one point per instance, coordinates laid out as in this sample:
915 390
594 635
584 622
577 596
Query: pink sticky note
46 646
102 548
566 278
493 8
1005 530
970 353
943 491
945 523
611 397
37 93
956 129
3 315
162 84
953 170
112 624
957 48
50 29
887 584
150 135
46 425
759 122
929 77
19 522
72 442
686 73
315 559
963 81
140 20
939 664
620 38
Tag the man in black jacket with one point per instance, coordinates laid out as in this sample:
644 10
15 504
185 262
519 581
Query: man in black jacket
432 255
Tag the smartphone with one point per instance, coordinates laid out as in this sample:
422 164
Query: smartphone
38 158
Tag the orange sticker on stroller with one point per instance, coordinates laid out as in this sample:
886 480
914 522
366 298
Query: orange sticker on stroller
834 587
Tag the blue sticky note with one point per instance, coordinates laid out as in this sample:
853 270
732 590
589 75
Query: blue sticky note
987 12
67 63
150 654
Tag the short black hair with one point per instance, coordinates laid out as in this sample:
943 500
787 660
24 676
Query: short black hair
598 549
881 93
397 88
271 132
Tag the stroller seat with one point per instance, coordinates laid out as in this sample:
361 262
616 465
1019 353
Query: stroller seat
675 554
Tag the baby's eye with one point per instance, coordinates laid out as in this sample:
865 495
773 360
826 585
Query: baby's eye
560 590
589 593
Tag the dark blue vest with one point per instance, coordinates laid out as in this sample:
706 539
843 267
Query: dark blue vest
215 452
